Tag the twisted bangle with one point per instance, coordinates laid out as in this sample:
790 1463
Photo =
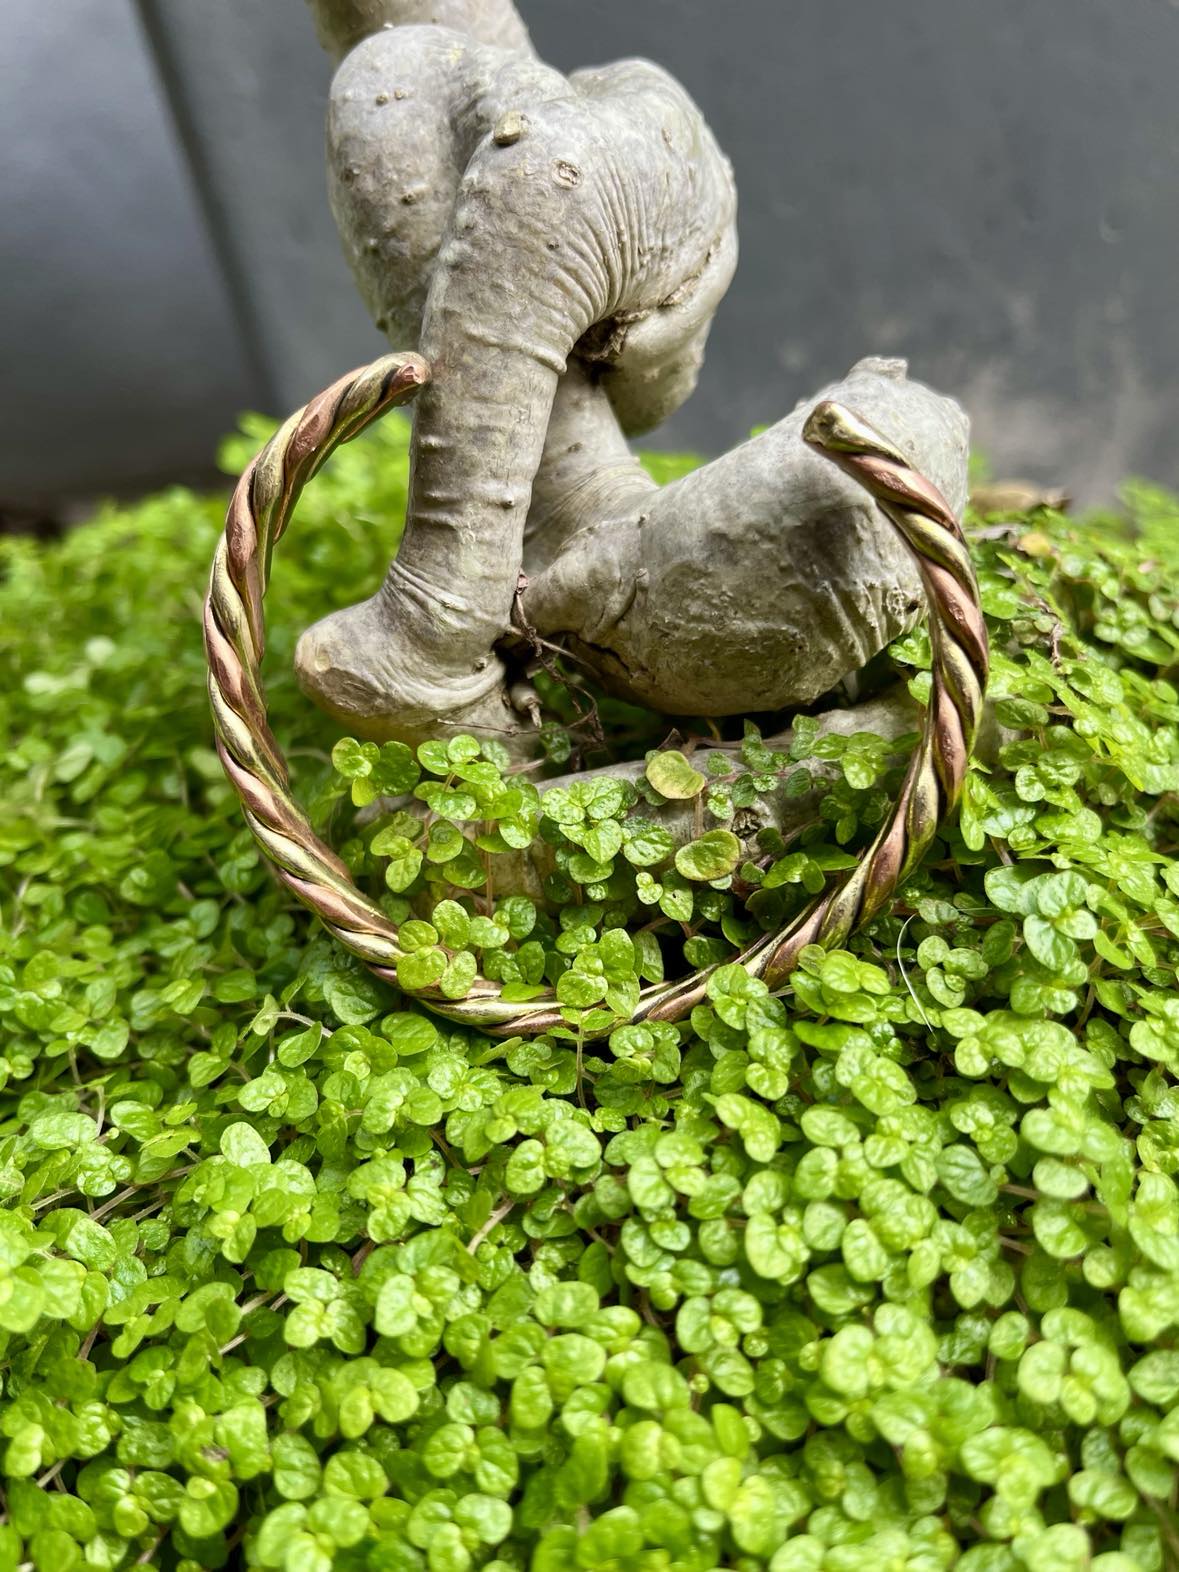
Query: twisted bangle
258 515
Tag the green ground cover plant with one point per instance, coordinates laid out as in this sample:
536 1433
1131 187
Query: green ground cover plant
879 1276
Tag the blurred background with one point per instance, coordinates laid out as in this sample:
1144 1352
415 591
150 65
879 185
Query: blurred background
990 188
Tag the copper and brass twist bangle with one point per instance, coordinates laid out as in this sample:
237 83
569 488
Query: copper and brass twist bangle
259 513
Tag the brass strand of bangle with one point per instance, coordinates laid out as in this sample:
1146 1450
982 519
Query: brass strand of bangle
960 661
259 513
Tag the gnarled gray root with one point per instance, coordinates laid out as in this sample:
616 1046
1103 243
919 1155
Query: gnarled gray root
521 215
556 248
761 579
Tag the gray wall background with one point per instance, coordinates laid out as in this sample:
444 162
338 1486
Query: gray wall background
990 187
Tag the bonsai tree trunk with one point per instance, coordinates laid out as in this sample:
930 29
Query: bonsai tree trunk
341 25
555 247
